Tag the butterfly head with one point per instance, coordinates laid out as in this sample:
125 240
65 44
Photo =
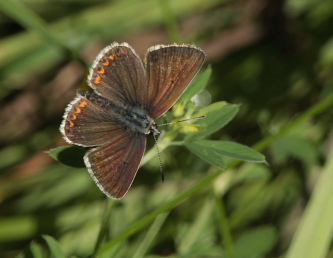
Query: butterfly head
153 130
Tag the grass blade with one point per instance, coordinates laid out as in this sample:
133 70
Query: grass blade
315 231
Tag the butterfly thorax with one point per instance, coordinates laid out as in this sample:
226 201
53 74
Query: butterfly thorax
132 117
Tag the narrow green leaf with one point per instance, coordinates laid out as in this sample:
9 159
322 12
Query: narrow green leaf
315 230
150 236
104 225
213 151
197 85
217 116
36 250
54 247
223 224
26 17
69 155
194 237
30 20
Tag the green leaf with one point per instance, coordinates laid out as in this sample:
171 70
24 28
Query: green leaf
54 247
295 146
208 154
197 85
213 151
36 250
69 155
195 237
256 243
314 233
150 237
217 116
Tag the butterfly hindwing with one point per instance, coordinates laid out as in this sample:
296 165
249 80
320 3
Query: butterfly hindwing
113 166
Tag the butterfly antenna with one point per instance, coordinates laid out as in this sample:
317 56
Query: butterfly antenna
193 118
159 158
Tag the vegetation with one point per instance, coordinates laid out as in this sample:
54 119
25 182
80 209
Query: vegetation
267 83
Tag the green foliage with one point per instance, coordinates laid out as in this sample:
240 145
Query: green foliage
69 155
214 151
274 62
198 84
217 116
54 247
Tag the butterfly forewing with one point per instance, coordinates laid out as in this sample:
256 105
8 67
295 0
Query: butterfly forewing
114 165
169 70
118 75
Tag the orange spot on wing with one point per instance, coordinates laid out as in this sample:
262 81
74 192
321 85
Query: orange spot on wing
78 110
111 57
98 79
74 117
107 63
101 70
83 104
71 124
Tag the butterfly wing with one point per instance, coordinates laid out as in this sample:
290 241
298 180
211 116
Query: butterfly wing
86 123
113 166
118 75
169 71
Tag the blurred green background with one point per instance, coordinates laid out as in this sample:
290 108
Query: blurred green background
273 57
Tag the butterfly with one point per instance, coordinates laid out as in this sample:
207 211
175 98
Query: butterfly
128 96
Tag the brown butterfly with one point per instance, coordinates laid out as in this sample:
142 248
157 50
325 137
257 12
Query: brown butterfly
128 96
